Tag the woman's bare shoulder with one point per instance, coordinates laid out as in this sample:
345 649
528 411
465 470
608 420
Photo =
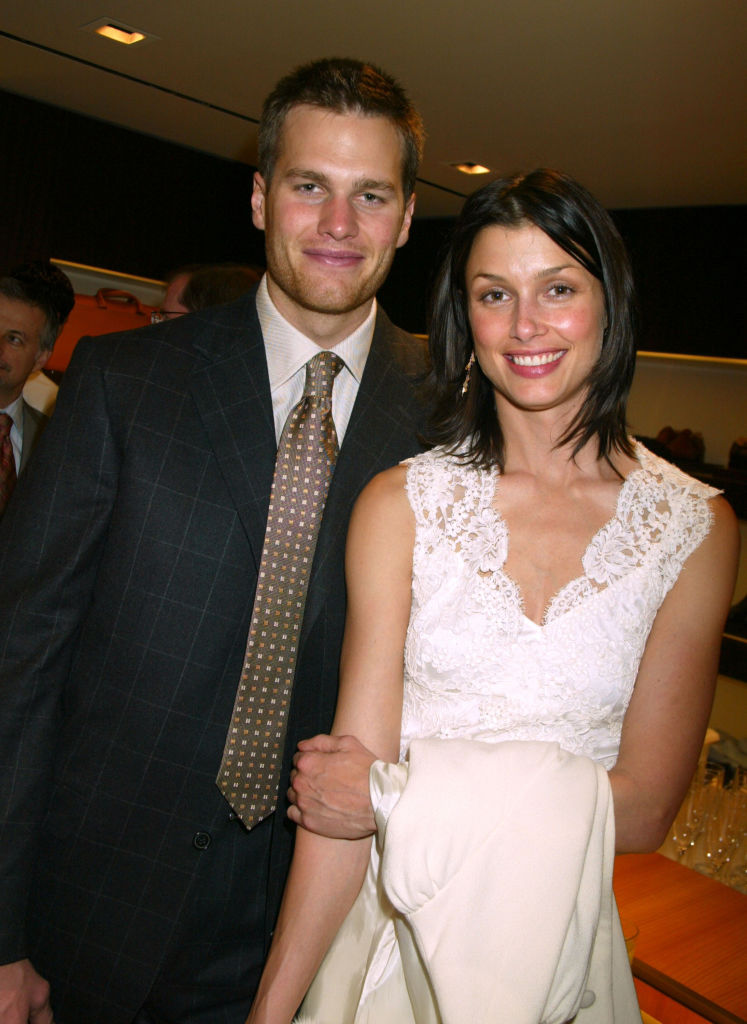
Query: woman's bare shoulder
384 493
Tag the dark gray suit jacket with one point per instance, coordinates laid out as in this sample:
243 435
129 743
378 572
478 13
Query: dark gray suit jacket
129 558
34 423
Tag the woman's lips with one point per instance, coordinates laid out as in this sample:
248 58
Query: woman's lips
534 364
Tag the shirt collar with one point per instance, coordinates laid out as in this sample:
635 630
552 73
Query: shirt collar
287 349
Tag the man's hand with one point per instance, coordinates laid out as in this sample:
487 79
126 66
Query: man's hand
24 995
329 787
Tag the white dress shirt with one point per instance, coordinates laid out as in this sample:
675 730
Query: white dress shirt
288 351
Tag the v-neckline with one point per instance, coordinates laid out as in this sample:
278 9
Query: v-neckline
575 581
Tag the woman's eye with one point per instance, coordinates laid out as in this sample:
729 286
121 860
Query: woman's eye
561 289
494 296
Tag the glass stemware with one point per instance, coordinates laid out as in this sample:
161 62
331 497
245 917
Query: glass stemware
697 808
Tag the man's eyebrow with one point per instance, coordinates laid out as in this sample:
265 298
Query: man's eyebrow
302 172
361 185
372 185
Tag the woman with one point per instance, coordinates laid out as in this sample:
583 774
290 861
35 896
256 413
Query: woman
544 577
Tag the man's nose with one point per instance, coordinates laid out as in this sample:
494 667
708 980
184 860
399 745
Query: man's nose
338 218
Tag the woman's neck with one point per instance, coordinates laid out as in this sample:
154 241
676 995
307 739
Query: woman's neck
531 446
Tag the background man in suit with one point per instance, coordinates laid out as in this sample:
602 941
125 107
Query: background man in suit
125 877
35 300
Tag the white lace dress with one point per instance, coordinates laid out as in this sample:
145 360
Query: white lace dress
477 667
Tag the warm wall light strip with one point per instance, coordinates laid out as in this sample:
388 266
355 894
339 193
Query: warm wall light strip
119 35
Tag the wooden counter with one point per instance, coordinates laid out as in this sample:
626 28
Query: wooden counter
692 942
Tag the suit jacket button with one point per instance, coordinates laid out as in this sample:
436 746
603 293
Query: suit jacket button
201 840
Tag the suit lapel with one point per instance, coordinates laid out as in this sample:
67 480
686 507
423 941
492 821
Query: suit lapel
381 432
231 389
33 422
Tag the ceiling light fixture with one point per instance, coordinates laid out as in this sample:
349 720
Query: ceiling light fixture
469 168
118 32
119 35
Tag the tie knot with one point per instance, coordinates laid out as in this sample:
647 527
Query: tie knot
6 422
320 375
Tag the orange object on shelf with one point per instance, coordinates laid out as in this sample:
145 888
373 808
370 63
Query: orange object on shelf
109 310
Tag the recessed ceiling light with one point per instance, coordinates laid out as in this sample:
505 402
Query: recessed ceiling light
469 168
117 32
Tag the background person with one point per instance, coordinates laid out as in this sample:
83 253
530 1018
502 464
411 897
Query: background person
215 285
35 300
176 282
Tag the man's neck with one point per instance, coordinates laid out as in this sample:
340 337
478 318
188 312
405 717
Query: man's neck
325 329
8 397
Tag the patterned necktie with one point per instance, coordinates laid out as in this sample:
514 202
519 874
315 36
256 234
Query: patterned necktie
7 461
252 759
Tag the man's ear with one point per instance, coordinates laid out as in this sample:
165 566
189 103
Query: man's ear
259 191
404 233
41 359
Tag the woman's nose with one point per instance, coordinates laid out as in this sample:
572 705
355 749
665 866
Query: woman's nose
526 322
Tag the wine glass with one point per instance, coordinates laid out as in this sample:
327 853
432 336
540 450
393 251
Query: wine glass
700 801
724 832
736 873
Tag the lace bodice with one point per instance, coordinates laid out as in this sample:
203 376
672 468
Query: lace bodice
477 667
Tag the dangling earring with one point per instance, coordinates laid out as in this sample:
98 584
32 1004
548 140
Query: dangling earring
468 373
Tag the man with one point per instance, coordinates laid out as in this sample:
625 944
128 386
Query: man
127 880
202 285
35 300
214 285
176 282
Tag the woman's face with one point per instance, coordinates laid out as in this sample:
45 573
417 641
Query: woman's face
537 318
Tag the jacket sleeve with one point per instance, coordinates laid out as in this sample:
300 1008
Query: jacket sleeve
51 538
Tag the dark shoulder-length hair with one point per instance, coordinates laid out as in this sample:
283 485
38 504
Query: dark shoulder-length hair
575 221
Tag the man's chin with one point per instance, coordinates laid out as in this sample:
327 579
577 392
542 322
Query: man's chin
331 301
336 307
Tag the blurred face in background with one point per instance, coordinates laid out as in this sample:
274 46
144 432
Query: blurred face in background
21 327
172 300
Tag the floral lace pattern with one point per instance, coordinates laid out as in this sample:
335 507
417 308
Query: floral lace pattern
477 667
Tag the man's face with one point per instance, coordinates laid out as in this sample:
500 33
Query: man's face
21 353
333 215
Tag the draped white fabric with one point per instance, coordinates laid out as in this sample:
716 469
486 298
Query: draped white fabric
489 897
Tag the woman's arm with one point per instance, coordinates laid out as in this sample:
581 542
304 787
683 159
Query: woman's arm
666 720
326 874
